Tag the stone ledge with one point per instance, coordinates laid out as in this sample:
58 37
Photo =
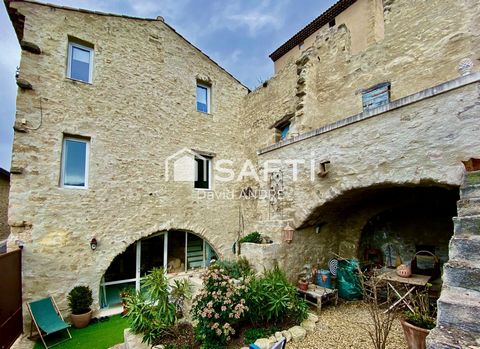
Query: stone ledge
399 103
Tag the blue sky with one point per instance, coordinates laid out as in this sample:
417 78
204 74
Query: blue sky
238 34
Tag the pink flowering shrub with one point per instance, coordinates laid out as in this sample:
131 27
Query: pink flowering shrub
218 308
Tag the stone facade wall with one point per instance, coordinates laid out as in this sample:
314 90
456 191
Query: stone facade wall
364 19
416 145
4 191
422 46
139 110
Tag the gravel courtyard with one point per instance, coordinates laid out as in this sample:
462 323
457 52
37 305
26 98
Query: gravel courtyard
344 327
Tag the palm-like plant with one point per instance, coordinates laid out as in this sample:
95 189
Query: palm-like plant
150 311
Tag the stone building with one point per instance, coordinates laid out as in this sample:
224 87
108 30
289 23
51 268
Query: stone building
133 149
4 189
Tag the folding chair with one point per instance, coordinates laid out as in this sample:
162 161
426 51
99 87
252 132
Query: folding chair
47 319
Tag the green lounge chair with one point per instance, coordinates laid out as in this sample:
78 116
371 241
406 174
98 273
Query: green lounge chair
47 319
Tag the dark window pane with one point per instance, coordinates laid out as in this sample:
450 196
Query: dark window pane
75 163
123 266
152 254
80 64
202 173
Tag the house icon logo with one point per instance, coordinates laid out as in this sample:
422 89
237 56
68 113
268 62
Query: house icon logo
182 166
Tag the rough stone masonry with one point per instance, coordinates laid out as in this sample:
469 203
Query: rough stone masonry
140 109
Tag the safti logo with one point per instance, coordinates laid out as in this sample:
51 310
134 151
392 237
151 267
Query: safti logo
182 166
187 165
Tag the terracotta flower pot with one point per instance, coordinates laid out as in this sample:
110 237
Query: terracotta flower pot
81 320
415 336
303 285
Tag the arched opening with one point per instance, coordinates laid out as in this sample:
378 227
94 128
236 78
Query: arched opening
177 251
423 223
383 217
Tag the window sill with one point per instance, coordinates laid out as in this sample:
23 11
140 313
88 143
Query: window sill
203 189
79 81
72 187
204 113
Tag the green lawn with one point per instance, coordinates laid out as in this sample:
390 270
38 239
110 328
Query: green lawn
101 335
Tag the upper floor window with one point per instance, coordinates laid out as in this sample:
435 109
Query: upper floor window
75 163
283 128
80 62
301 45
376 96
203 169
203 98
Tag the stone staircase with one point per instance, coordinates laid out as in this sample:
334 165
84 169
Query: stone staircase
458 321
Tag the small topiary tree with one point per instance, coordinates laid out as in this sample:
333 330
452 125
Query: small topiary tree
80 300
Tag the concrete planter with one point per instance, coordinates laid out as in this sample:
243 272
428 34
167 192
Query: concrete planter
261 256
415 336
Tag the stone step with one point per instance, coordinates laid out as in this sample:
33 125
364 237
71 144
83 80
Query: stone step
465 247
465 274
452 338
468 207
472 177
470 191
459 308
467 225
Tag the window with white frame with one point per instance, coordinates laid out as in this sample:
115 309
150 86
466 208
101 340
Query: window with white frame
203 98
80 62
75 162
203 167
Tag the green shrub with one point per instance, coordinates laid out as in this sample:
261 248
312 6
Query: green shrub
252 334
181 291
150 312
80 300
425 315
254 237
235 269
272 298
218 308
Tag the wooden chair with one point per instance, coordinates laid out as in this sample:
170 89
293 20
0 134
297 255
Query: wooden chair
47 319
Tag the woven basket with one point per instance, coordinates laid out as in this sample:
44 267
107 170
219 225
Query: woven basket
426 263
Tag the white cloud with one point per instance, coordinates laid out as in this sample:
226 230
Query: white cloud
255 21
260 16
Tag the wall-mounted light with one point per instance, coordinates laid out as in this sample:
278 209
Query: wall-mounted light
288 233
324 168
93 244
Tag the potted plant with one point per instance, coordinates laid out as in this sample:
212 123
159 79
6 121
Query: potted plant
124 295
418 323
79 301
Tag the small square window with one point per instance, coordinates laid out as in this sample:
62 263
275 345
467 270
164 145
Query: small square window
301 45
203 167
283 129
376 96
75 163
203 98
332 23
80 62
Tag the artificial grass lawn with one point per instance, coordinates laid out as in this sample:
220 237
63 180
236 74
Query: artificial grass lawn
100 335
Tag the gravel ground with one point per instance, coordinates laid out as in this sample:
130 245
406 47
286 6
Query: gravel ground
343 327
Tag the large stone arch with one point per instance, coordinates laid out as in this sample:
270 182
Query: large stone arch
335 227
105 258
442 177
